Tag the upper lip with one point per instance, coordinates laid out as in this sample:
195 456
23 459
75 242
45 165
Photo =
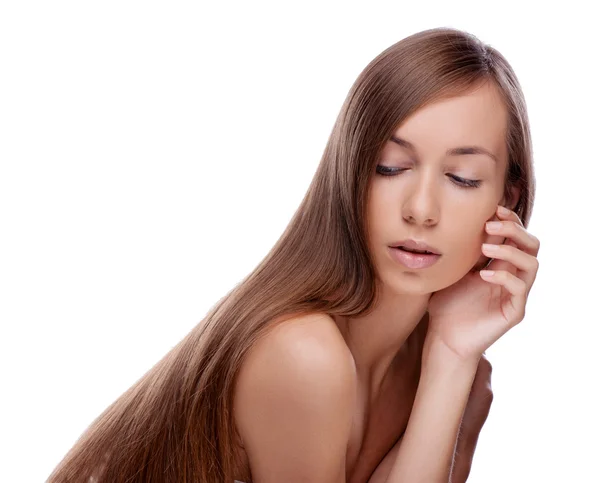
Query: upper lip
416 245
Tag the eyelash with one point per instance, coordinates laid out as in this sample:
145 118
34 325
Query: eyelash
461 182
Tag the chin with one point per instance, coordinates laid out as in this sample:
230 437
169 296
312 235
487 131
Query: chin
416 286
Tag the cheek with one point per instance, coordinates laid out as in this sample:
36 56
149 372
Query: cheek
379 218
468 240
480 258
479 232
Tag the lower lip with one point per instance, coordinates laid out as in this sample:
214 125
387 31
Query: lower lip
414 260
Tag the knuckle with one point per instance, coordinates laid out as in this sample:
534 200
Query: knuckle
509 249
536 244
517 318
518 227
535 265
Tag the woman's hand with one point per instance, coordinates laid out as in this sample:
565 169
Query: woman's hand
470 315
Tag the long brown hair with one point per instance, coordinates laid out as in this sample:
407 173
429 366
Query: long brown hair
175 424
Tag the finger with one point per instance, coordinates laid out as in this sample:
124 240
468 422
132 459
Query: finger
506 214
516 234
497 263
513 308
528 264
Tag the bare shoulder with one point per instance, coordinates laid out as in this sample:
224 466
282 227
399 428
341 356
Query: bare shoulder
312 340
294 401
307 350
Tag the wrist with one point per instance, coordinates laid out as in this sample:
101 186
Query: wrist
437 351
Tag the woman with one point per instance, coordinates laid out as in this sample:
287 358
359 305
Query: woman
344 356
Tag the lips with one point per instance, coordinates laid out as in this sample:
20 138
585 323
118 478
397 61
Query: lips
415 246
413 260
421 252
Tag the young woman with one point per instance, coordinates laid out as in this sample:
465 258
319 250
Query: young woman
345 356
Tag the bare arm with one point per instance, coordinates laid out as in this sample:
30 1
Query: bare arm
463 459
427 449
474 417
294 404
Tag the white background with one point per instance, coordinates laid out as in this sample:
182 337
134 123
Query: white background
153 152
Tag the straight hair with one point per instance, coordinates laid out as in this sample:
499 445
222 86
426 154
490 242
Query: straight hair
175 424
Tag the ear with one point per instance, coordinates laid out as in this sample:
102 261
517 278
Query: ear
514 196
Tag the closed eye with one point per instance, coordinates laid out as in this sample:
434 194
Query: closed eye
461 182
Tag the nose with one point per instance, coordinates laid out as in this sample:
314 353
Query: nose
421 205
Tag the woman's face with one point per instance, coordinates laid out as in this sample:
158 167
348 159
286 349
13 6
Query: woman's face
430 200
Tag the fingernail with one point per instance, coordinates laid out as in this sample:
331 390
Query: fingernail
503 211
490 247
493 225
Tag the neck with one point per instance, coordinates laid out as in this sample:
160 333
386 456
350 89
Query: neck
377 337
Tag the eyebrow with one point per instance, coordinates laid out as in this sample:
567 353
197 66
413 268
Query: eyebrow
459 151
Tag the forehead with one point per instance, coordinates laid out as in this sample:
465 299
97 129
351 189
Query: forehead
476 118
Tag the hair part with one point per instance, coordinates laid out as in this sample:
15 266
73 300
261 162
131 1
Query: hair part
175 424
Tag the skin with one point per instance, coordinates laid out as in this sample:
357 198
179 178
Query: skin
424 203
381 358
